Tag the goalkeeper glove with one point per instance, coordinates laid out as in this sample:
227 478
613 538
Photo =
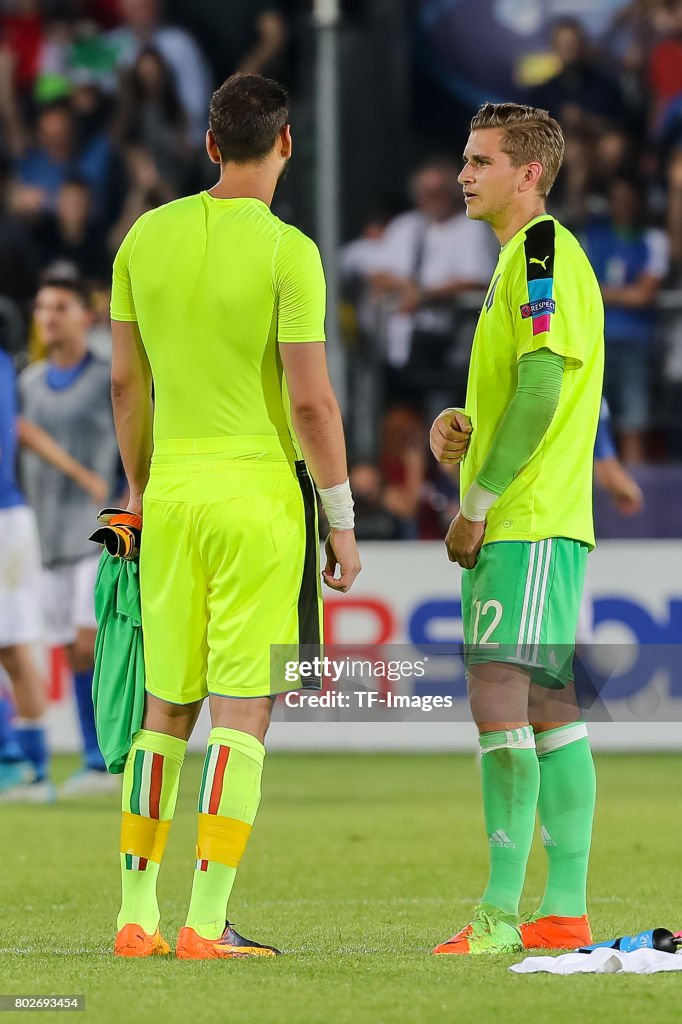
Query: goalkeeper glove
120 532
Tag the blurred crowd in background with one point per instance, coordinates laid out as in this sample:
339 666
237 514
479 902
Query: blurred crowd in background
103 108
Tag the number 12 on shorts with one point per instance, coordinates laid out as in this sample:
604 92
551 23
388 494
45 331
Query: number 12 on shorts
482 610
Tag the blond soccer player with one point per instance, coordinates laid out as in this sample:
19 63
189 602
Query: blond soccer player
526 442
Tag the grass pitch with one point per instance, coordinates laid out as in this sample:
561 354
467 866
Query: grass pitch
357 866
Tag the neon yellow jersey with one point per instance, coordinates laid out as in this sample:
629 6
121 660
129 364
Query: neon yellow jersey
214 284
543 294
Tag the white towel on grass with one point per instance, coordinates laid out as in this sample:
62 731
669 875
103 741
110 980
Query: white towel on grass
602 961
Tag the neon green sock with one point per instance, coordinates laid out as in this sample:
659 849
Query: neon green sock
511 778
150 790
228 802
566 806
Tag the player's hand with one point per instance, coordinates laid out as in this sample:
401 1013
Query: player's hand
627 496
450 435
342 550
410 298
135 504
464 541
97 488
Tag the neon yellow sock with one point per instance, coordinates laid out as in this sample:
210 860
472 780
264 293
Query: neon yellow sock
150 790
228 802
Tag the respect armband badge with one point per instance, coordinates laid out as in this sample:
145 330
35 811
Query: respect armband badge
537 308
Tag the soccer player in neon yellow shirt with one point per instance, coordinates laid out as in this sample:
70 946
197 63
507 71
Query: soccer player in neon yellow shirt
526 442
220 307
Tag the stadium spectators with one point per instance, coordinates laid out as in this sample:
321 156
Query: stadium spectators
72 234
253 39
403 465
147 190
109 94
428 256
675 212
583 94
22 33
57 155
631 262
144 26
19 260
149 113
665 66
373 519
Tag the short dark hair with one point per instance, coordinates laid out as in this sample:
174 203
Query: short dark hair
246 115
76 285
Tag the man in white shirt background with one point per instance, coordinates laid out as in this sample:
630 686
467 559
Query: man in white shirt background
428 257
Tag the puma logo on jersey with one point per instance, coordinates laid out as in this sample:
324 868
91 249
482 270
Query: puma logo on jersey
540 263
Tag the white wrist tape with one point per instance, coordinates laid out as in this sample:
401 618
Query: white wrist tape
477 503
338 505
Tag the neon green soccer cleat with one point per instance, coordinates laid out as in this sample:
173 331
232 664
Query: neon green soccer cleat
491 931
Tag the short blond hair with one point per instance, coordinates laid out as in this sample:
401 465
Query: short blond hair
530 134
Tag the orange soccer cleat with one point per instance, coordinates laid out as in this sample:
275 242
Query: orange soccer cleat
133 940
554 932
230 946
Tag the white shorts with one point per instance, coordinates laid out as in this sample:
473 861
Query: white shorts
69 600
21 620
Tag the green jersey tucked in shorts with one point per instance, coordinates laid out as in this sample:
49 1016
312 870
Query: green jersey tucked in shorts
229 553
524 592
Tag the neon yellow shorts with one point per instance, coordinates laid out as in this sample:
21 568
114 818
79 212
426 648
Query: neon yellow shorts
228 566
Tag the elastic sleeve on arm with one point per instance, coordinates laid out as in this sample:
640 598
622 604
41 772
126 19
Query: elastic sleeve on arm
301 289
525 421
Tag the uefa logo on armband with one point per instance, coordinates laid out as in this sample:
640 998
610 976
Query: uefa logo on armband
537 308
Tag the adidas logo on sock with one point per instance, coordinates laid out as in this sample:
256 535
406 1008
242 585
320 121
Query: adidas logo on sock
546 837
501 838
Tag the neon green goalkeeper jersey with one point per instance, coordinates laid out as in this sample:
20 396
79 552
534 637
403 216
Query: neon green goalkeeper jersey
543 294
214 284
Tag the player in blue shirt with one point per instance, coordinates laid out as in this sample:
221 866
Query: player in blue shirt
25 760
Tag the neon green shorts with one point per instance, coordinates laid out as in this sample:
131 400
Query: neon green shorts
520 605
228 566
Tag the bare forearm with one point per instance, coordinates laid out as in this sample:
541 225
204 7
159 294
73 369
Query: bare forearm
320 432
133 417
39 441
632 296
610 475
384 281
449 290
272 39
